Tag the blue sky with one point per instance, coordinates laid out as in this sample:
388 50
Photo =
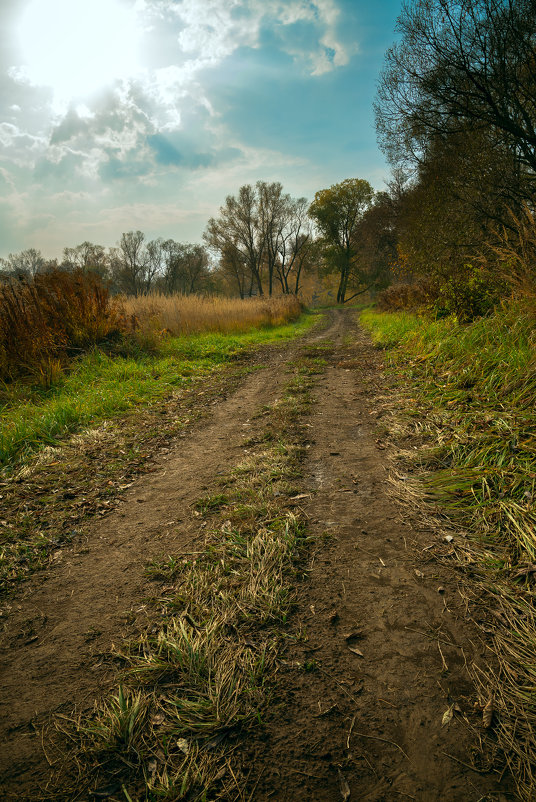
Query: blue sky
125 114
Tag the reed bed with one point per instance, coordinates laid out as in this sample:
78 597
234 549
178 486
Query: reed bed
192 314
46 320
468 442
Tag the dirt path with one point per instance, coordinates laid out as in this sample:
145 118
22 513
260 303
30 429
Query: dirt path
366 722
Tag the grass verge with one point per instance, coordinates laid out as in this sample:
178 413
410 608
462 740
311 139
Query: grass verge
100 386
134 407
466 443
201 675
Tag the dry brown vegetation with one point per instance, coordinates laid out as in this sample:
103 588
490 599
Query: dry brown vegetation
404 295
191 314
47 320
50 318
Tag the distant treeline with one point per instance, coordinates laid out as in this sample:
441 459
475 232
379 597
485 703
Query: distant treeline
263 241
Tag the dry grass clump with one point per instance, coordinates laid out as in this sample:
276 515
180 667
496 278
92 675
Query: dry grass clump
190 314
45 319
404 295
514 252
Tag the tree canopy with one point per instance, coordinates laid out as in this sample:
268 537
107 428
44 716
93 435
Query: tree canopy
337 212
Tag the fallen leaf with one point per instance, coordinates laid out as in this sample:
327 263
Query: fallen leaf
487 713
300 496
355 635
447 716
158 719
183 745
345 788
357 651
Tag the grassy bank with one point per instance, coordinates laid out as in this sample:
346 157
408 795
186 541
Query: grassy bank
467 438
99 386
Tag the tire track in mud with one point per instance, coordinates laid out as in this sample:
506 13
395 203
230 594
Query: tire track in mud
58 637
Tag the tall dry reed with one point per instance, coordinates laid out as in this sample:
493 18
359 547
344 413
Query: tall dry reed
191 314
46 319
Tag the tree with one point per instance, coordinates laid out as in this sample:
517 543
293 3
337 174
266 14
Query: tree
375 240
154 262
26 263
273 210
130 263
88 258
294 244
337 212
186 267
254 231
239 225
233 269
460 65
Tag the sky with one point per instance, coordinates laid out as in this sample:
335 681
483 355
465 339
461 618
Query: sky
117 115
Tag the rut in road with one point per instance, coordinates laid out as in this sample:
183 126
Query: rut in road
62 628
359 701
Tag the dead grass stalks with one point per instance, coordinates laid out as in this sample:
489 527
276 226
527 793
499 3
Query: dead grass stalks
50 317
191 314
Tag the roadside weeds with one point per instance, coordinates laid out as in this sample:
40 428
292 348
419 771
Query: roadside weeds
464 465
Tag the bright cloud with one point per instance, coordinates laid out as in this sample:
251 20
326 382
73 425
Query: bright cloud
77 47
123 105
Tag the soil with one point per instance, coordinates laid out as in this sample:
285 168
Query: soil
359 703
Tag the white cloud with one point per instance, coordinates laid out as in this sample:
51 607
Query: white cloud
155 132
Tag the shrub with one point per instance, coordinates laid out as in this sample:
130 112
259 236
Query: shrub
55 315
403 295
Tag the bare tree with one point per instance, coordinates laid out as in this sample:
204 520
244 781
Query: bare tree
26 263
294 243
131 262
186 267
239 225
87 257
155 260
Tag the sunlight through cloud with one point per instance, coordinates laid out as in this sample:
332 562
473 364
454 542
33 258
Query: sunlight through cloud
77 47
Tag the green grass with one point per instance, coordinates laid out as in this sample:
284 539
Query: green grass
99 386
477 387
469 417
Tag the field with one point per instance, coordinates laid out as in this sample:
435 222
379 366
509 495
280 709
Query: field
170 342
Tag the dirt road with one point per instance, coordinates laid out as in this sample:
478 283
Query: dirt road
373 703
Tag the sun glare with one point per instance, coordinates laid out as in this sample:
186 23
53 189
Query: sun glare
78 47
